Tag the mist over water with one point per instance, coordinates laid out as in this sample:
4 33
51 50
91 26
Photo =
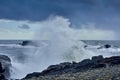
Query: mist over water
56 43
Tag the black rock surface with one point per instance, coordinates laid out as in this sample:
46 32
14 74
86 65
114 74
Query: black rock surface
87 64
5 65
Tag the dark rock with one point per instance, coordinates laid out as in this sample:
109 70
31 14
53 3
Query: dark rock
97 58
56 68
104 46
73 62
107 46
35 74
1 68
94 63
100 47
115 60
5 58
24 43
5 65
31 43
98 66
84 65
85 46
2 77
85 61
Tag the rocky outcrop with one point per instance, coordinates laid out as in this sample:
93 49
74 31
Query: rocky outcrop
111 61
87 64
107 46
24 43
29 43
2 77
5 64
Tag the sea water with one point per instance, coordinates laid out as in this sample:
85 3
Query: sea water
30 58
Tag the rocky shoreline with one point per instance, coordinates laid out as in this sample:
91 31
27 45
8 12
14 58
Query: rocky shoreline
109 73
95 65
96 68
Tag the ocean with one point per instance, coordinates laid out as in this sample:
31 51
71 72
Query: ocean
36 56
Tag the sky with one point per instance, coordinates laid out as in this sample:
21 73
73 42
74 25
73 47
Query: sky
96 19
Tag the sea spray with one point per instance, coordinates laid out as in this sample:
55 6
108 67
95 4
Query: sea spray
61 44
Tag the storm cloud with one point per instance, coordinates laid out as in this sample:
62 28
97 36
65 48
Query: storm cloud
41 9
105 13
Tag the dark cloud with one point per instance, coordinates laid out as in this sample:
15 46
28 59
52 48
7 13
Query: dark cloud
79 11
41 9
24 26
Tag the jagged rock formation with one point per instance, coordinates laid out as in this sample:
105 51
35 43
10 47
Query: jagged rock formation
2 77
87 64
5 64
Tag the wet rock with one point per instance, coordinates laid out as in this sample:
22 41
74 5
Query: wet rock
107 46
85 61
83 65
57 69
5 64
67 67
97 58
1 68
4 58
2 77
99 66
115 60
35 74
30 43
24 43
